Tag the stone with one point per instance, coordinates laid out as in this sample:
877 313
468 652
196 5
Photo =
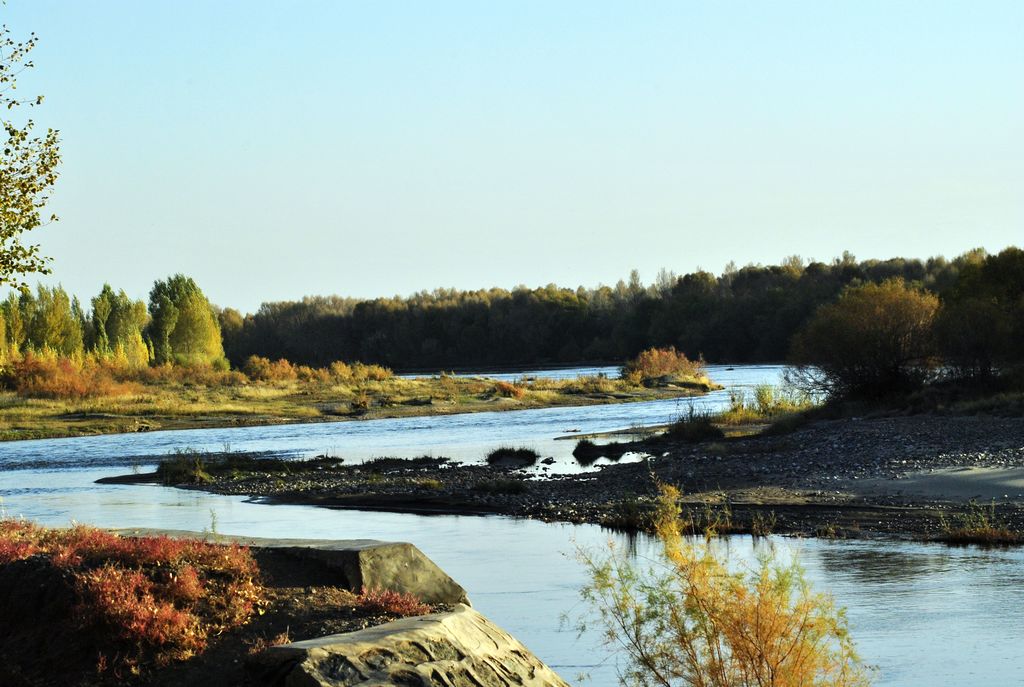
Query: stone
460 648
358 563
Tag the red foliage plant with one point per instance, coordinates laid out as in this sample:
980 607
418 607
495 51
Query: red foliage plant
395 603
141 600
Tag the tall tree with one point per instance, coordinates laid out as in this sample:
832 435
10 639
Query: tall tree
184 327
28 168
117 325
53 324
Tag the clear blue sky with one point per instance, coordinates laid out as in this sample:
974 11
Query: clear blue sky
274 150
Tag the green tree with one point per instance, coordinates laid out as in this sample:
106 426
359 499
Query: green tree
982 321
28 168
118 323
876 339
53 323
183 327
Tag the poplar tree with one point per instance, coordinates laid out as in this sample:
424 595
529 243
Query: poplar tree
118 323
184 327
53 323
28 168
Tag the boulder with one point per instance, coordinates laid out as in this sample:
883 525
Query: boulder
357 563
460 648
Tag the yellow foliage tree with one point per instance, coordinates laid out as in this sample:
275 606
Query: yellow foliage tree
695 622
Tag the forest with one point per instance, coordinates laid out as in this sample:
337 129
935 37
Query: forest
748 314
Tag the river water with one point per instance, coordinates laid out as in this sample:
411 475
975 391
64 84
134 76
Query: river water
923 614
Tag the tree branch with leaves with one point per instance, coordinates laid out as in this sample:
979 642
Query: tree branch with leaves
28 168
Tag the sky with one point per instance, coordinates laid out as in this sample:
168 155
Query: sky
273 150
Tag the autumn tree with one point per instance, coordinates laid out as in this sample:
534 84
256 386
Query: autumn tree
874 340
692 620
28 168
183 328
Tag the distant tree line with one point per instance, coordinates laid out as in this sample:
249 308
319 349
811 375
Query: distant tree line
973 318
748 314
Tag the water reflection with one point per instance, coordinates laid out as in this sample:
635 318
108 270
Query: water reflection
882 566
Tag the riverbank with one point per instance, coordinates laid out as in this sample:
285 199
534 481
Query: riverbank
193 404
906 476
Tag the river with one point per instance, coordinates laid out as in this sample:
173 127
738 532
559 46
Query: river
924 614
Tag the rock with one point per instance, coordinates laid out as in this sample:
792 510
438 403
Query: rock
399 566
359 563
460 648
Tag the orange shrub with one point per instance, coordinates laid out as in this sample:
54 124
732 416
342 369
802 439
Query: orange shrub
372 373
508 389
199 375
36 376
263 369
658 362
308 374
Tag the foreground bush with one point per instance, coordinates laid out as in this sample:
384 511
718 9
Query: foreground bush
131 602
692 621
659 362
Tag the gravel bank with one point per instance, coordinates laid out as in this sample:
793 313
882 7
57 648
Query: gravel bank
852 477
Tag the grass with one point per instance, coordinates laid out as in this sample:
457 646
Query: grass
766 403
978 525
783 410
694 427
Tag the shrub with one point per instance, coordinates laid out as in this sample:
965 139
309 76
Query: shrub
47 376
512 457
370 373
508 389
312 375
391 602
341 371
260 369
877 339
693 621
186 466
659 362
136 600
